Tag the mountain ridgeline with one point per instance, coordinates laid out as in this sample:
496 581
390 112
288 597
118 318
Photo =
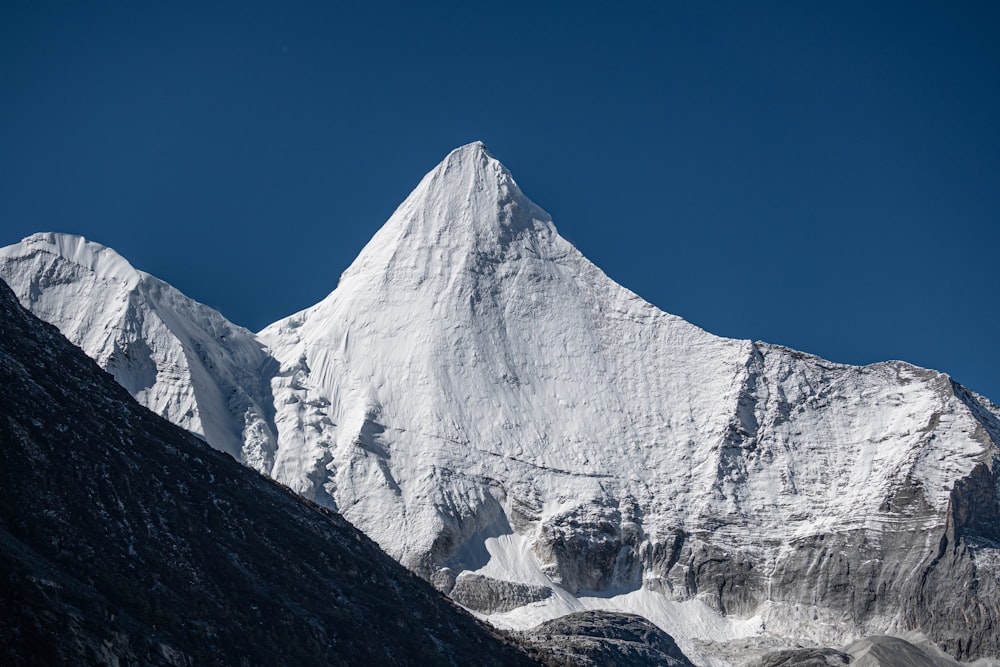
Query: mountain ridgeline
515 427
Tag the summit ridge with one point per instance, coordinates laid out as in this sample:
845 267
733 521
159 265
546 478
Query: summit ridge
469 205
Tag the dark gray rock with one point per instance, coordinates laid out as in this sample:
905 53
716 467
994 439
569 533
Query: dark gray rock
444 580
599 638
593 547
493 596
805 657
726 580
881 651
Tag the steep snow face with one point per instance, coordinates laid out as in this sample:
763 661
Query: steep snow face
471 357
179 358
473 377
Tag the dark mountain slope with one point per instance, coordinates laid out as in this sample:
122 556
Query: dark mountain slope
126 540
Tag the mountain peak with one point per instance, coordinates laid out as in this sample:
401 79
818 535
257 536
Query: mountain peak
473 147
471 165
475 155
468 205
102 260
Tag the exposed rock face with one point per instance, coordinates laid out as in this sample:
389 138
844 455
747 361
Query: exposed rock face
592 638
126 540
593 548
491 596
806 657
894 652
877 651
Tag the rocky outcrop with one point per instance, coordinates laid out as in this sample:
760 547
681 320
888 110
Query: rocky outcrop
592 638
592 548
494 596
956 599
882 651
875 651
728 580
805 657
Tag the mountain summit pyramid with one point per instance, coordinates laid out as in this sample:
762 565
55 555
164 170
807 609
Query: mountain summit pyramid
469 205
535 439
456 364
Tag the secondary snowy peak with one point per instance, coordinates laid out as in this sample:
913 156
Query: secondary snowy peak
39 270
178 357
105 263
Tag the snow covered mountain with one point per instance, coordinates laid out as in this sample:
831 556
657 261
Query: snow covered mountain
473 372
503 418
477 396
177 357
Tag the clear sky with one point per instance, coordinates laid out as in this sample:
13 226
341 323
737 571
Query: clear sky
823 175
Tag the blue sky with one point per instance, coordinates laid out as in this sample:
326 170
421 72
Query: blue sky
823 175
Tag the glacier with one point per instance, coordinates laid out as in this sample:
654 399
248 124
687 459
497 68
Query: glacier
503 418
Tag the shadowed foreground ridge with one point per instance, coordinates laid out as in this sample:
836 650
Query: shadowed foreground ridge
126 540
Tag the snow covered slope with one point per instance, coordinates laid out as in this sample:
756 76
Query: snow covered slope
179 358
474 378
469 357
